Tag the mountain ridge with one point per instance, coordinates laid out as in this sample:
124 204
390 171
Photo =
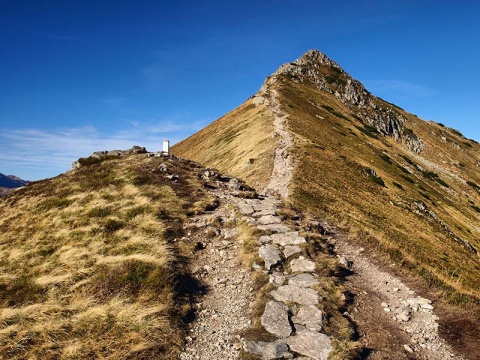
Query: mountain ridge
355 156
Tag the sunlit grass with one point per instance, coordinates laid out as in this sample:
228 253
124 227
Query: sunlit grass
87 267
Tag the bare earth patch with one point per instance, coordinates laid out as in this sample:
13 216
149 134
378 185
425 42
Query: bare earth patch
393 320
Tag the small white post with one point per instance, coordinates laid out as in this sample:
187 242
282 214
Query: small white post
166 146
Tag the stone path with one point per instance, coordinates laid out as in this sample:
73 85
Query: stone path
398 323
291 315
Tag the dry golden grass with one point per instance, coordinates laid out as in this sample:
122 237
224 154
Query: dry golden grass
330 180
240 144
88 268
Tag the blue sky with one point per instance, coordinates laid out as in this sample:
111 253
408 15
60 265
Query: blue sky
81 76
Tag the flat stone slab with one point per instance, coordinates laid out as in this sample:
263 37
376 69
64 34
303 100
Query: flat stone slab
270 254
309 316
290 250
264 213
311 344
303 280
268 350
278 228
264 239
277 278
302 265
275 319
269 219
288 238
264 207
297 294
245 209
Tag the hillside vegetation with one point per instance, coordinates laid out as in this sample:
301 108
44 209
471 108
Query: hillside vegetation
240 142
88 263
403 186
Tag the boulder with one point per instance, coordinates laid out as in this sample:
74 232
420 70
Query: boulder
309 316
302 265
270 254
268 350
275 319
311 344
269 219
303 280
290 250
297 294
288 238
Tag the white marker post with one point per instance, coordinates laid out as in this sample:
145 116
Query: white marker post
166 146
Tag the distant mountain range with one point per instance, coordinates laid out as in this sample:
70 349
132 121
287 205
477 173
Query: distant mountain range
8 182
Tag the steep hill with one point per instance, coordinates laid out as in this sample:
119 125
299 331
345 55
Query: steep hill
405 187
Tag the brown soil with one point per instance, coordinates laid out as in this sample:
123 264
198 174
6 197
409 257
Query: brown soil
461 329
372 282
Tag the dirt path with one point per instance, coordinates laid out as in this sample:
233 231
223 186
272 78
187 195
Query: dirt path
394 322
224 309
282 166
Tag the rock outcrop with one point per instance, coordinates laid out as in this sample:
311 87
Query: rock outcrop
316 68
98 155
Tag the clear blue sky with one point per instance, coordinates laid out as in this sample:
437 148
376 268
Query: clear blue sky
81 76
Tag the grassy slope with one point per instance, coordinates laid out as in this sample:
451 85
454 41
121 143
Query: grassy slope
239 143
333 148
87 266
330 180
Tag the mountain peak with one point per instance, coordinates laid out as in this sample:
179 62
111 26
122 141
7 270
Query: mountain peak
317 70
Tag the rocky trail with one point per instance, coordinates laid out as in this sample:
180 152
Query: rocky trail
282 165
223 311
393 321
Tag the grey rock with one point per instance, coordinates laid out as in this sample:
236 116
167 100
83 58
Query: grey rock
234 184
290 250
264 213
403 317
344 261
414 143
302 265
245 209
309 316
162 167
303 280
311 344
275 319
277 278
278 228
268 350
288 238
264 207
297 294
269 219
264 239
270 254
